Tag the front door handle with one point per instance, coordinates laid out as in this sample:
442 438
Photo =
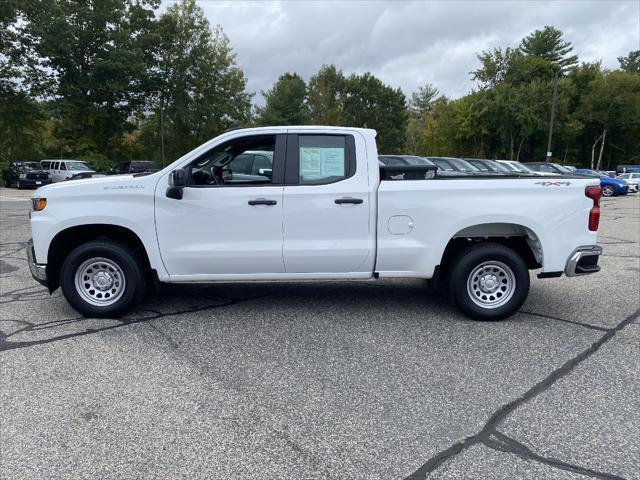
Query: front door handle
262 201
355 201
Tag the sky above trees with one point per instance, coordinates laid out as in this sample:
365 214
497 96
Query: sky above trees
409 44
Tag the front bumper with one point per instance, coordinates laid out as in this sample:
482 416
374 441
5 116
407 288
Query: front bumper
583 261
38 270
33 183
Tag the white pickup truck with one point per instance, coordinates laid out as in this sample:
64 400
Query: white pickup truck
317 206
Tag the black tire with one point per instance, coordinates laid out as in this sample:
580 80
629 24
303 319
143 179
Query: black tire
608 191
7 184
130 268
496 268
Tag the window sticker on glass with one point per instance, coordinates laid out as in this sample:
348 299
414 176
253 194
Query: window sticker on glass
321 162
310 162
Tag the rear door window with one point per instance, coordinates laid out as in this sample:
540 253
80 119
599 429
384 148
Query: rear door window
319 159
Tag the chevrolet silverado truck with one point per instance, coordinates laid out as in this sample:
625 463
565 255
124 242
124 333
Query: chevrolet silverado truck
321 208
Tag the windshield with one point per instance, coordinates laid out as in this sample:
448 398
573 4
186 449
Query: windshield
561 168
518 167
77 166
462 165
30 166
480 165
412 160
443 164
586 171
498 167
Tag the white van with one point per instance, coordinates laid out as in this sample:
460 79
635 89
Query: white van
64 169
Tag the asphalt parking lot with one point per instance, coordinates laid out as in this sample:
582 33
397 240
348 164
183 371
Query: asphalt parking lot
323 380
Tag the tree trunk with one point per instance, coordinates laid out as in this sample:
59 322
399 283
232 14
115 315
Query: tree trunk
604 137
593 151
519 148
511 146
162 128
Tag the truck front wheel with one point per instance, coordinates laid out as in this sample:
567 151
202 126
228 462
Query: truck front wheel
489 282
102 278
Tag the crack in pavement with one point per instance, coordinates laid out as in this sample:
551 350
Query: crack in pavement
581 324
6 344
490 428
502 443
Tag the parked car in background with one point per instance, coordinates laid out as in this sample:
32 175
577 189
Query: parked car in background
413 160
628 169
489 166
397 160
633 179
610 186
521 168
63 169
549 167
25 175
452 164
134 166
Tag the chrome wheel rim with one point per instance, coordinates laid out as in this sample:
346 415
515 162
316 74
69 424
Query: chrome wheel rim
491 284
607 191
100 281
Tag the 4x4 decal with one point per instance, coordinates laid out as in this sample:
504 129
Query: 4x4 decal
553 184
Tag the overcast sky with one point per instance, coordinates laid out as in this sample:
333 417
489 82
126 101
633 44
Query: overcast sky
408 44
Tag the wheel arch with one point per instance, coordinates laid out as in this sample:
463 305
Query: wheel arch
68 239
522 239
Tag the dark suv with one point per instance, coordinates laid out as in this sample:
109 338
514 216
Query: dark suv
25 175
134 166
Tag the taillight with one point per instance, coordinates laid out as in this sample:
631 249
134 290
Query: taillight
594 192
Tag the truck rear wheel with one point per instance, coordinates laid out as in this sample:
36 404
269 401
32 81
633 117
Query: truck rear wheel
102 278
489 282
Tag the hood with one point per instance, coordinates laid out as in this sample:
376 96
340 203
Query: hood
615 181
100 185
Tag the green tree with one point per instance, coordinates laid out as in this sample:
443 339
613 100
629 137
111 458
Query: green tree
630 63
422 101
199 89
372 104
326 96
420 109
20 115
96 55
549 45
610 112
286 102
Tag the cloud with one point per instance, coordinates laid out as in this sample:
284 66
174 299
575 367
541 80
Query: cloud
408 44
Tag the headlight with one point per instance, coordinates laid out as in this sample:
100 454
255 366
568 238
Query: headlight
38 204
23 176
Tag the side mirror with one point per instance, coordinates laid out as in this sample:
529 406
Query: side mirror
177 182
266 172
178 178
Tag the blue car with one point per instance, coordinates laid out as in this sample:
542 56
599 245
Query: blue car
610 186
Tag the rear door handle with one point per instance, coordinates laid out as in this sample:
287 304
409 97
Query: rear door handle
355 201
262 201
